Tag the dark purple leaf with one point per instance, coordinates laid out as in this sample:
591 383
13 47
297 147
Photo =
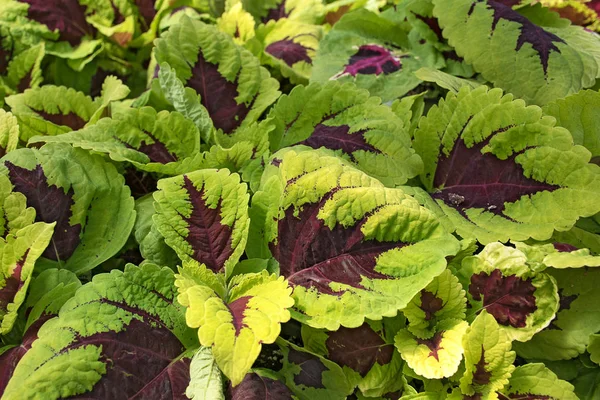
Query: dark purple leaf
51 204
372 59
541 40
218 95
564 247
466 178
433 344
358 348
430 304
256 387
480 375
311 369
339 138
118 18
276 13
312 255
66 16
72 120
289 51
209 238
509 299
12 284
141 183
147 11
24 82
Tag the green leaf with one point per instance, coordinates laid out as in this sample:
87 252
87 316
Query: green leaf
237 23
593 348
205 377
538 381
548 256
235 325
203 216
445 80
9 132
112 90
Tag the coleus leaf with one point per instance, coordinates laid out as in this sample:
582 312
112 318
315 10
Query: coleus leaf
19 252
206 382
113 325
488 358
232 85
443 298
83 194
558 255
141 136
522 301
363 48
15 214
436 357
347 120
546 52
308 11
203 216
366 354
259 385
568 334
343 240
235 320
237 23
511 187
312 377
9 132
23 71
535 381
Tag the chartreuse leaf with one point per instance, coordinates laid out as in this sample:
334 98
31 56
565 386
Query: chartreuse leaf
444 298
349 121
535 381
319 216
522 301
577 318
203 216
141 136
237 23
436 357
312 377
19 252
9 132
206 382
488 358
24 70
364 48
113 89
103 334
540 182
235 320
308 11
232 85
15 213
558 58
594 348
559 255
82 193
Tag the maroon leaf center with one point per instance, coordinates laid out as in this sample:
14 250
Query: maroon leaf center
339 138
430 304
12 284
434 344
372 59
289 51
72 120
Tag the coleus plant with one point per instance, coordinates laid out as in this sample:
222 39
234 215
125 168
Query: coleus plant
291 199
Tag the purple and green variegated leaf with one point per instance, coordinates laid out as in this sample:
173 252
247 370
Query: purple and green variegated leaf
347 120
366 354
102 335
151 141
234 320
19 252
366 49
290 46
237 23
15 214
579 305
444 298
438 356
536 382
488 358
23 71
499 170
203 216
312 377
82 193
260 385
307 11
502 282
232 85
351 248
475 28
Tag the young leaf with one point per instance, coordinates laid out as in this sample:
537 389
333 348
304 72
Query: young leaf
205 377
235 325
9 132
237 23
232 85
488 358
113 325
347 120
322 217
523 178
203 216
83 194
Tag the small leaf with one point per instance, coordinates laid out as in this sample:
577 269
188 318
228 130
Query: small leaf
205 377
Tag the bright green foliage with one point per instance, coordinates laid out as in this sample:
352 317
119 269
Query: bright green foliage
205 377
537 380
548 256
238 23
9 132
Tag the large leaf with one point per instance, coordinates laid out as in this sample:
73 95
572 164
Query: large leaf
498 170
83 194
535 381
347 120
113 325
259 385
232 85
559 59
351 248
234 320
203 216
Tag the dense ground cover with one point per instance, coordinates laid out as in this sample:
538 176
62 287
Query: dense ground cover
299 199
